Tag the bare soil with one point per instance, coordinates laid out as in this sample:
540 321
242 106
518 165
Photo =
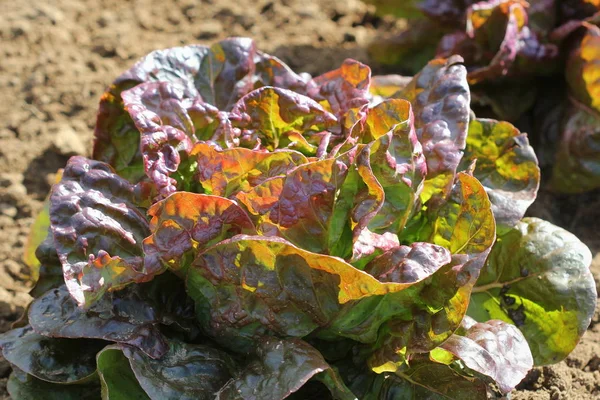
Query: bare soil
58 56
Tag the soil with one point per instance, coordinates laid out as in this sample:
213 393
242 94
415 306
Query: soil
58 56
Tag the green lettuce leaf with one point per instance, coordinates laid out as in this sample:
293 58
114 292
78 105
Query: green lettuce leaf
116 377
537 278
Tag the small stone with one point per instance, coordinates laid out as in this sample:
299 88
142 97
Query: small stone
9 210
66 141
208 29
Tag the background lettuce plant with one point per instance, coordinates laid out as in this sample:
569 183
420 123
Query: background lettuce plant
244 232
534 63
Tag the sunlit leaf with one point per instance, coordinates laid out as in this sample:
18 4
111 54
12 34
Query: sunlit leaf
538 278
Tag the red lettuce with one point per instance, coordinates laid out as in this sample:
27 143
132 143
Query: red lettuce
247 232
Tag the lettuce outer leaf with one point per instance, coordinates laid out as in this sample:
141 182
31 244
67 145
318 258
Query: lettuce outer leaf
93 212
249 286
22 386
186 371
49 359
50 270
122 317
184 224
226 172
440 98
422 380
506 166
494 348
280 368
117 141
537 278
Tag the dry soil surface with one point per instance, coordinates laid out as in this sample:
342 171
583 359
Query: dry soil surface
57 57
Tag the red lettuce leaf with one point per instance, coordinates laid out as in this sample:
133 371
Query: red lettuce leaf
184 224
226 172
440 98
98 230
280 368
342 89
321 206
50 359
495 349
122 317
185 371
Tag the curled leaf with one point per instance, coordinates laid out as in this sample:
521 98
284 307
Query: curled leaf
344 88
409 264
226 172
184 224
272 118
320 205
117 140
506 166
162 113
